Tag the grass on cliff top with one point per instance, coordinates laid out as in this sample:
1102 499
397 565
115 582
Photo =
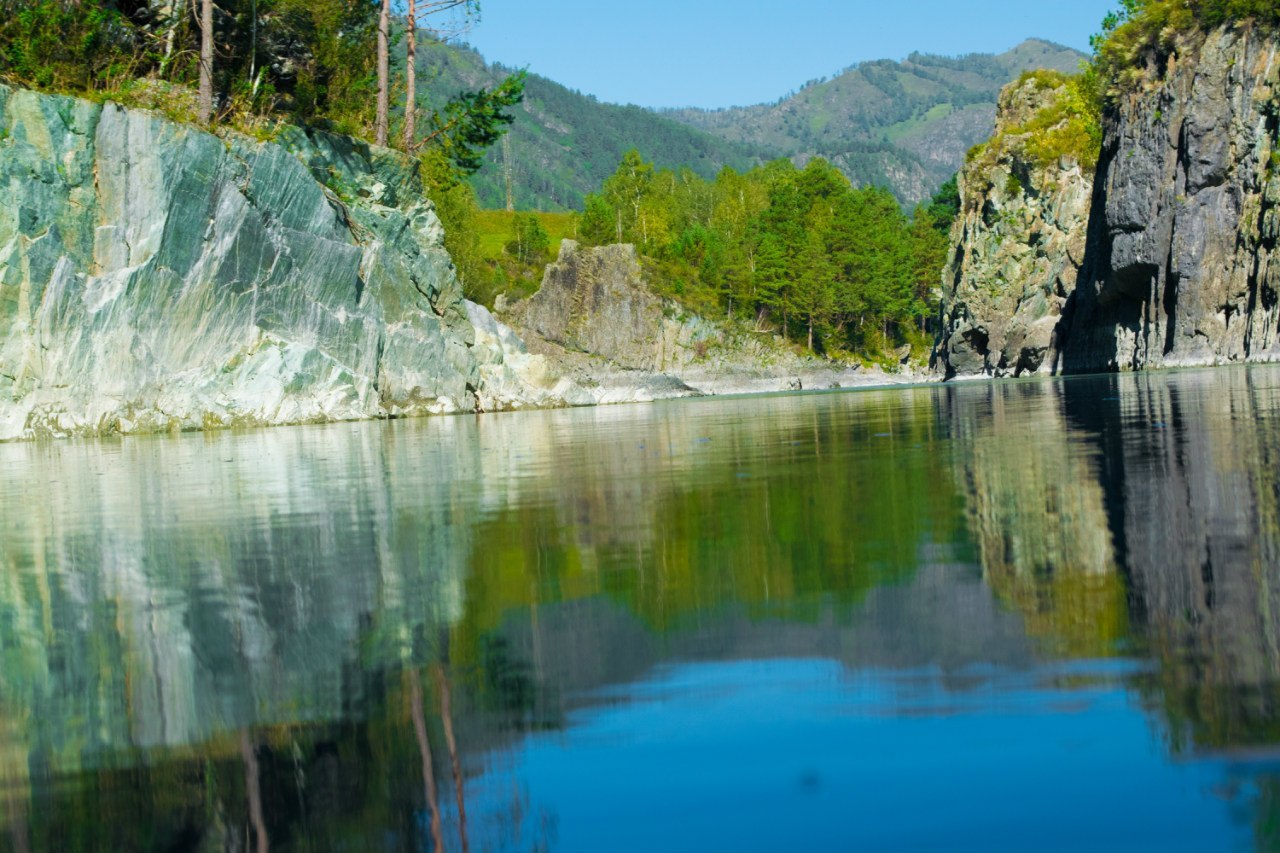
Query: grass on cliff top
490 266
1070 125
1145 27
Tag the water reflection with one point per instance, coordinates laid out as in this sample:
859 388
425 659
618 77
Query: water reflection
537 631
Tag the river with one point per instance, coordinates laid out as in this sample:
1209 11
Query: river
1025 615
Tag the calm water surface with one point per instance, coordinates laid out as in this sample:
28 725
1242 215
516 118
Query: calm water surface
1033 615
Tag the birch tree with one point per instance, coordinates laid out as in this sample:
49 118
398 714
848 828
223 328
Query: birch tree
205 95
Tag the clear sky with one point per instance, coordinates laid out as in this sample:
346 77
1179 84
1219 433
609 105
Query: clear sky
719 53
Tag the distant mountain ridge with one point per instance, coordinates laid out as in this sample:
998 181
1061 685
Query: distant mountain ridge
563 143
905 125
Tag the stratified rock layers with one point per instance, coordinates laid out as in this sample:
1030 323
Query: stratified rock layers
153 276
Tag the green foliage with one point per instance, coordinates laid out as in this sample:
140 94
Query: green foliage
456 206
945 205
836 268
529 241
49 44
1069 126
473 121
305 61
1142 28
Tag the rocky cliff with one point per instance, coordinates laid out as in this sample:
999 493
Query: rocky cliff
1165 258
1181 267
1018 244
596 318
154 276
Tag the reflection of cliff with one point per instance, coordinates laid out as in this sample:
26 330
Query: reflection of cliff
182 588
1037 512
1140 510
1191 485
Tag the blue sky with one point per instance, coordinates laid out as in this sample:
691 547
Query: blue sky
716 53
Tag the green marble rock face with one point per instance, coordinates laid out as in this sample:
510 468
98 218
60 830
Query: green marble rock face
153 276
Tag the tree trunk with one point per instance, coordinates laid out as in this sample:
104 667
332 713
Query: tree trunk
411 72
176 14
506 171
205 102
810 333
384 74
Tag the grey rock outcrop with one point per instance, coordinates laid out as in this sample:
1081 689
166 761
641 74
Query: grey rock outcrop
597 319
1181 263
594 300
154 276
1017 247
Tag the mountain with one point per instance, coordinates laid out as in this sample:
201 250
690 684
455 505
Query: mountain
906 125
563 144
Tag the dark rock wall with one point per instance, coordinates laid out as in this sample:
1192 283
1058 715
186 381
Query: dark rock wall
1179 266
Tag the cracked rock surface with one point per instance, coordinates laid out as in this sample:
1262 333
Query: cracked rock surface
154 276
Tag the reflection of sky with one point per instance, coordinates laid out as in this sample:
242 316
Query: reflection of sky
801 754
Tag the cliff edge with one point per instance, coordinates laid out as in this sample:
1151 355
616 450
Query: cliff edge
154 276
1165 257
1181 266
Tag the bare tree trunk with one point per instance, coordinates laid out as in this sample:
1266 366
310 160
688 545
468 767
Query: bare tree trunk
411 71
506 171
205 102
384 74
424 749
446 716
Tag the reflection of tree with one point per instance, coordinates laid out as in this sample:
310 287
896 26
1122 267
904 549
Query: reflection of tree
446 718
769 510
253 790
424 748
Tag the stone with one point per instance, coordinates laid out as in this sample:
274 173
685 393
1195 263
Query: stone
1181 267
598 320
1017 247
154 276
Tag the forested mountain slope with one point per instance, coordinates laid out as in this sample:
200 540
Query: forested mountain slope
563 144
905 125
